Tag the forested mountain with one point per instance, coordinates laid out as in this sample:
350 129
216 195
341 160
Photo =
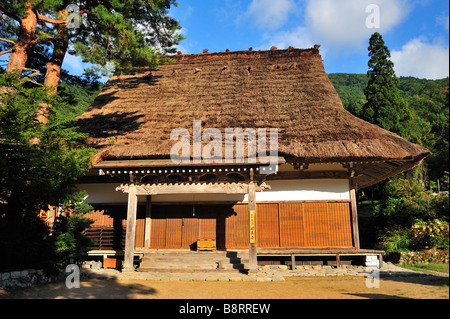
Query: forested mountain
428 100
79 93
350 87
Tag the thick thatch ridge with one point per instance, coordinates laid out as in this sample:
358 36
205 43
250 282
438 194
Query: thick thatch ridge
133 116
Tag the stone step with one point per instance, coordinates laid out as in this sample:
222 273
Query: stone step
185 258
188 259
188 270
191 263
192 260
231 259
179 261
238 266
178 265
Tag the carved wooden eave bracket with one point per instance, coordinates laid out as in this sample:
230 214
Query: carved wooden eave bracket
187 188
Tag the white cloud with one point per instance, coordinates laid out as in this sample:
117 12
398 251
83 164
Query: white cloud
334 24
299 37
343 22
421 59
270 13
443 20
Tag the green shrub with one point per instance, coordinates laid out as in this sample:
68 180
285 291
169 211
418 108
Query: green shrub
407 202
395 241
71 244
440 206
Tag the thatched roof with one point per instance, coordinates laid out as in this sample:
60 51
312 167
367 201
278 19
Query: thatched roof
133 116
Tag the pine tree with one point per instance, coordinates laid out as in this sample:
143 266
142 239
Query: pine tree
122 32
385 106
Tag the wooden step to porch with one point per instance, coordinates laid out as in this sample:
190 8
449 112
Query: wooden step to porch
193 261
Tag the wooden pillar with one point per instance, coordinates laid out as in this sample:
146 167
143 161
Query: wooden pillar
354 213
131 229
253 265
148 221
51 217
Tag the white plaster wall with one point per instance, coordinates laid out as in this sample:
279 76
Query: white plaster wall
103 193
306 189
281 190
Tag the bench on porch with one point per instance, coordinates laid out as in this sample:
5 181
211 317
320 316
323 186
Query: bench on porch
321 253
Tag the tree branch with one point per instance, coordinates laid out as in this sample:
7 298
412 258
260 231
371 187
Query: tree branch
33 74
7 41
56 21
4 11
49 20
5 52
29 77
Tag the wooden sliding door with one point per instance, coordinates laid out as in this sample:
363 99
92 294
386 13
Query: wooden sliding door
279 225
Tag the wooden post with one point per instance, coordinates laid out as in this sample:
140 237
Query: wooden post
131 229
253 265
354 213
148 221
51 217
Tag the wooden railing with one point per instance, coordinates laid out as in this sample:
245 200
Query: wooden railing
106 238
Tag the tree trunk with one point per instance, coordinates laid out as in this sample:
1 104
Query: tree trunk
60 45
20 51
53 73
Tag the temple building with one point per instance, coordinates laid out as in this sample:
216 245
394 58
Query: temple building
249 150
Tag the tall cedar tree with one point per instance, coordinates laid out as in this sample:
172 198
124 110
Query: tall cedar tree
384 107
124 33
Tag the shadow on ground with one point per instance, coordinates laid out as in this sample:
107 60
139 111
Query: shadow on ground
89 289
422 279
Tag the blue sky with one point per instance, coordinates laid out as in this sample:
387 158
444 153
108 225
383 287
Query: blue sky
416 32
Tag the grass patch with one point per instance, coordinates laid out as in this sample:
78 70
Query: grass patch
441 267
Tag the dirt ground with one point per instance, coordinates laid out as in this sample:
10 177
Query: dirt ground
347 287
